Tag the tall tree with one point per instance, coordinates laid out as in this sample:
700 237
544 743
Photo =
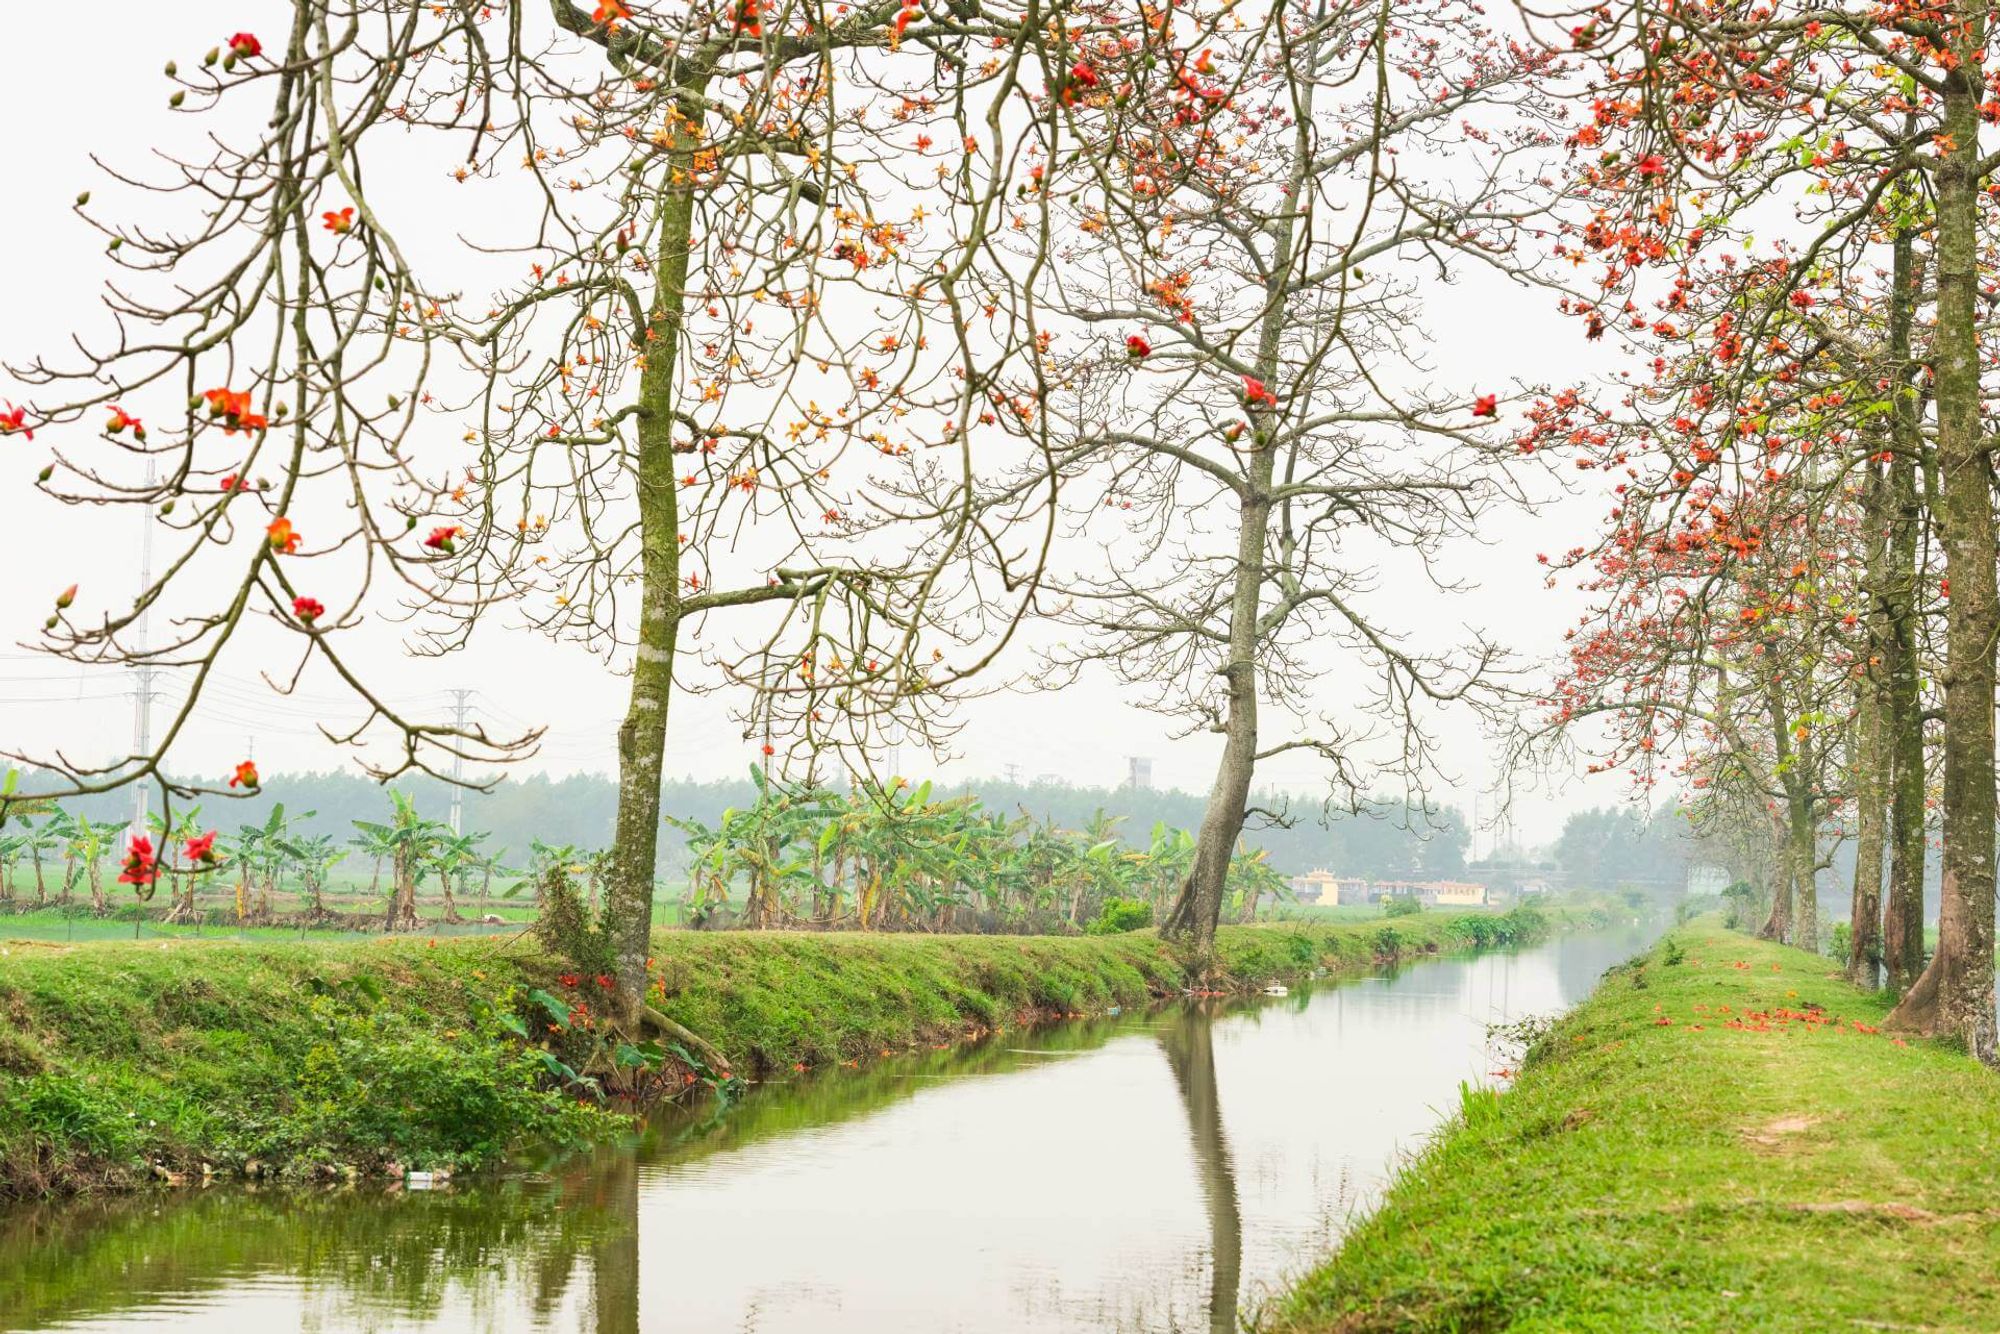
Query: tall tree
1247 411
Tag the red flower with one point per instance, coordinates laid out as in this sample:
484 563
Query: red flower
201 848
1137 347
246 776
747 22
120 419
234 483
283 539
444 539
1652 165
770 750
1254 392
607 14
141 867
308 610
1486 405
234 410
903 17
340 222
245 45
15 419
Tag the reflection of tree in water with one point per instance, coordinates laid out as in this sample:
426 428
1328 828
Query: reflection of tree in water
614 1258
507 1243
498 1247
1188 1036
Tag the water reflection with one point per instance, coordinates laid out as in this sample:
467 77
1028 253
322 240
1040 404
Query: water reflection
1188 1036
1070 1181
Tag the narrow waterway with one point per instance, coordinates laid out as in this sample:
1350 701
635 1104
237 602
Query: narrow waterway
1155 1172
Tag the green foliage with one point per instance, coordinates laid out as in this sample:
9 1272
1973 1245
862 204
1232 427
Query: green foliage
299 1056
566 926
1398 905
1122 915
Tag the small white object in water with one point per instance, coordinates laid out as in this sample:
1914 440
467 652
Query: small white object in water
420 1180
1276 989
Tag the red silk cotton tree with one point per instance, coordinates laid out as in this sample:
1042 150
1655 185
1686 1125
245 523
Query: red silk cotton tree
1754 506
1845 127
1221 223
729 363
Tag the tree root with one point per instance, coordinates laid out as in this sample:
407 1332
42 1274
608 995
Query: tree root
687 1037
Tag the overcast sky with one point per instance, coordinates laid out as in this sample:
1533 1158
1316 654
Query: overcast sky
59 107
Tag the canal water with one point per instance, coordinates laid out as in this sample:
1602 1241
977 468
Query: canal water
1153 1172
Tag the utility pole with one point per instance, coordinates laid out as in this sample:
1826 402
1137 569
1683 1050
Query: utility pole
1013 774
142 692
459 698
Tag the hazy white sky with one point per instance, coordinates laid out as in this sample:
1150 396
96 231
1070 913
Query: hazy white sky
58 110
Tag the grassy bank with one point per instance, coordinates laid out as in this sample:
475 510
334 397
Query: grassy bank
120 1061
1719 1139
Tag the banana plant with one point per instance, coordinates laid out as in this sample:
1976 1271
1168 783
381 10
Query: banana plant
407 841
314 856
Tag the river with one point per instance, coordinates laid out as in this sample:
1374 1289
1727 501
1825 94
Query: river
1148 1172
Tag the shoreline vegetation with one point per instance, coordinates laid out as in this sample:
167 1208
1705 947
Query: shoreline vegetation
182 1061
1723 1136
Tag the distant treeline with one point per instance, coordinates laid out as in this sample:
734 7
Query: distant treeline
1604 848
1386 843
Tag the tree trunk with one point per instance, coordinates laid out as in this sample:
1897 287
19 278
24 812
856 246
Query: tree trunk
1778 926
1864 946
403 903
1903 921
41 885
642 737
1955 993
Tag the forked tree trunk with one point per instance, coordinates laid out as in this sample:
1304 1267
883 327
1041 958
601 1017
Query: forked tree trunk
1954 996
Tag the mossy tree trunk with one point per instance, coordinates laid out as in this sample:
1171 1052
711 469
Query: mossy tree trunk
1954 995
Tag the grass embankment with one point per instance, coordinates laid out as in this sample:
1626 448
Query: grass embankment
1719 1139
119 1060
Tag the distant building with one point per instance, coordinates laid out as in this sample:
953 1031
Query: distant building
1323 886
1316 886
1439 893
1139 773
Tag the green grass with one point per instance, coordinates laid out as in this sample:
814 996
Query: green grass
1657 1168
313 1055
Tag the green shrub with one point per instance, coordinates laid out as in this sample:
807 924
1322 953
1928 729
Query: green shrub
1122 915
1402 905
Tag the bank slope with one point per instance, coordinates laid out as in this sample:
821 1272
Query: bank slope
122 1060
1718 1139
